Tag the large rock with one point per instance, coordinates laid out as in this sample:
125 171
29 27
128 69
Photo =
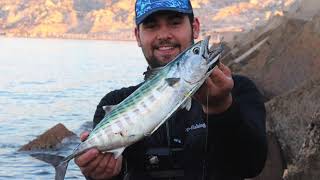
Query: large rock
285 68
294 118
307 163
245 40
289 115
50 139
289 57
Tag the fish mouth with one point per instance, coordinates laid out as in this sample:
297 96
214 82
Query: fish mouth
205 47
212 56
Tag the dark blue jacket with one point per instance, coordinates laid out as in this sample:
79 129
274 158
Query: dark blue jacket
227 146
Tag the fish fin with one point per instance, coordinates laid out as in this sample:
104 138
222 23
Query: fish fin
172 81
187 104
54 160
108 108
61 170
117 152
60 163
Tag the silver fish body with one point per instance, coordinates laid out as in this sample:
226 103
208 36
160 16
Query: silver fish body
147 108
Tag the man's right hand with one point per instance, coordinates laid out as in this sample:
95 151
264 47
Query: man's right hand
97 165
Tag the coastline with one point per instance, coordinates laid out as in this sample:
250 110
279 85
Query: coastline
67 37
216 37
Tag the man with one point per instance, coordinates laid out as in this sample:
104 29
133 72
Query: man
222 137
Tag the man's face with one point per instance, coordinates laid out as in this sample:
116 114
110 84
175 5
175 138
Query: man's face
163 35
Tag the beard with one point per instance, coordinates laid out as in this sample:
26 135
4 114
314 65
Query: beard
154 62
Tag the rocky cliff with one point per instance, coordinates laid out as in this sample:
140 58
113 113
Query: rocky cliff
114 19
285 68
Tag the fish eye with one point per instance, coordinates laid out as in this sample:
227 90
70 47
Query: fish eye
196 50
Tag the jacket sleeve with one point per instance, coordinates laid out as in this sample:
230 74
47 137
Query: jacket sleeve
237 142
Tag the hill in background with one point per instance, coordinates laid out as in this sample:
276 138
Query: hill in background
114 19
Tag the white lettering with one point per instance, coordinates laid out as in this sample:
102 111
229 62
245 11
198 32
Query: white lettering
196 126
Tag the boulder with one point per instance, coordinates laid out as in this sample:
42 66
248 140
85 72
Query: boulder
288 58
307 163
285 68
294 118
246 40
293 125
289 115
49 140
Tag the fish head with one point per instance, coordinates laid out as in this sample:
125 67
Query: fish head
199 61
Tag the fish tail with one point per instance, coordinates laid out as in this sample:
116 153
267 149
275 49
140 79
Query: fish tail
60 163
61 170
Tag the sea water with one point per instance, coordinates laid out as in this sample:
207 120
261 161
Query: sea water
44 82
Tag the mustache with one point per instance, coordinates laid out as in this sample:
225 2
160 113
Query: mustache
165 42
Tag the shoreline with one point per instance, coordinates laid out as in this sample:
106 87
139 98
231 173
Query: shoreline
67 38
227 36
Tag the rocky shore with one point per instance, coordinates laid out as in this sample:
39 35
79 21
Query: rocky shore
284 61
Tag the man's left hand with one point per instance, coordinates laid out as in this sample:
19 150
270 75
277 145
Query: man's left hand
215 93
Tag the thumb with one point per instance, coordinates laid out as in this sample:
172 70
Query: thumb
225 69
118 165
84 136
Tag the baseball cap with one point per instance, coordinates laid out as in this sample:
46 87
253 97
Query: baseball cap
146 7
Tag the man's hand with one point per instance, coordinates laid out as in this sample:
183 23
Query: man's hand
215 93
96 165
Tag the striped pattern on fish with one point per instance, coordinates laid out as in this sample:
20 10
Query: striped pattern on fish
147 108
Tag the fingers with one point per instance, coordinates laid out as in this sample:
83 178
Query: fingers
220 80
90 168
118 165
225 69
215 93
103 164
108 167
84 159
221 76
84 136
98 165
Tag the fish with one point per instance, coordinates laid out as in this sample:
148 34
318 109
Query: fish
147 108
